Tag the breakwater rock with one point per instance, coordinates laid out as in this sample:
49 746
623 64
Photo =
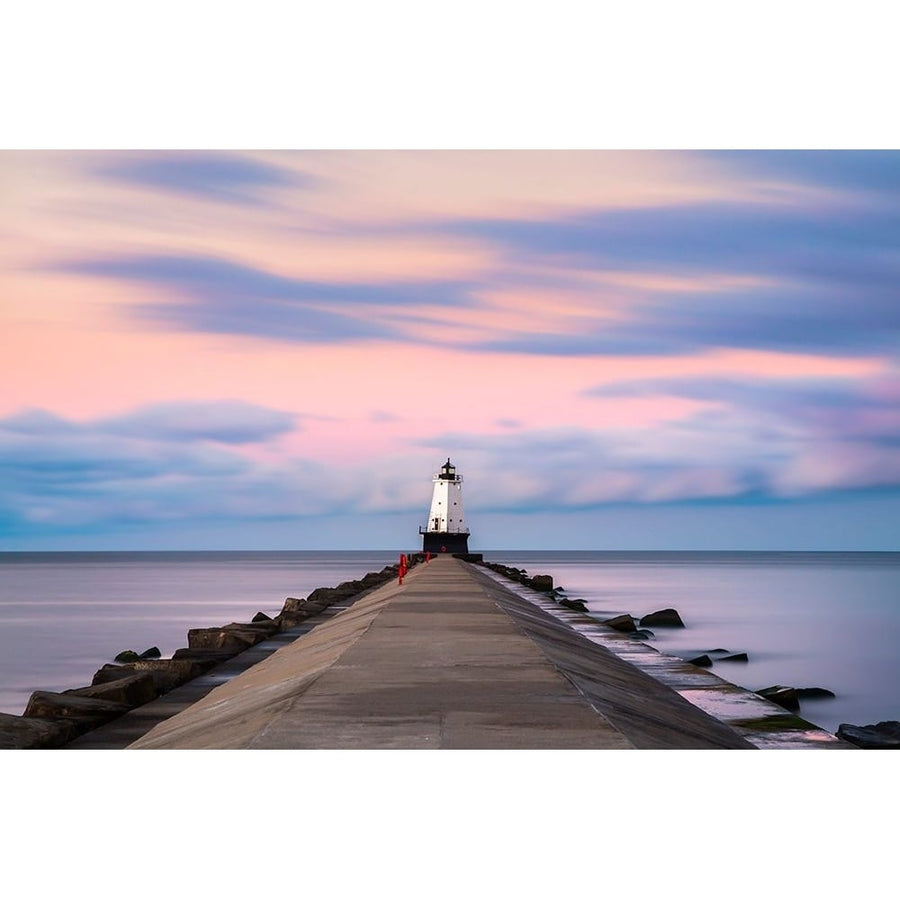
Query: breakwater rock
53 719
621 623
790 697
166 674
716 655
130 655
577 605
667 617
883 736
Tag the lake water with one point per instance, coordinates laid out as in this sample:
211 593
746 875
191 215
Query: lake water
827 620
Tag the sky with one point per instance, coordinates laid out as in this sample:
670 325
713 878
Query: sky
618 349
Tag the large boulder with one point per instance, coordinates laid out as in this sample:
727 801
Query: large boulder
293 604
264 629
223 638
883 736
664 617
21 733
109 672
131 690
286 621
261 617
577 605
814 693
126 656
541 582
621 623
735 657
512 573
351 588
84 712
167 673
782 695
327 596
151 653
184 668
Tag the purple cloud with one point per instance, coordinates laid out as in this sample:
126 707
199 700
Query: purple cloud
218 177
218 296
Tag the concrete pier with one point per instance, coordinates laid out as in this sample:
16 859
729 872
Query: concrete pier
450 659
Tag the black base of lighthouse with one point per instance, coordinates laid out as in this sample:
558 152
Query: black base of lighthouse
444 542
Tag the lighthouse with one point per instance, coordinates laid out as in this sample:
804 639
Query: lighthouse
446 531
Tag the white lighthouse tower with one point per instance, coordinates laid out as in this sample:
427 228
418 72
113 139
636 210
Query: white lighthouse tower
446 531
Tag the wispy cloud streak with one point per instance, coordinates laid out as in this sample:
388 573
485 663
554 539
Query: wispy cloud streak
220 296
217 177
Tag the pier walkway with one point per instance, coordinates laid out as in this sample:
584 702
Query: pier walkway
450 659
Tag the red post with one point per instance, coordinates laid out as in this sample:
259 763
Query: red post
402 568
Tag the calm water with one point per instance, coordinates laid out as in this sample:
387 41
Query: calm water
811 620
